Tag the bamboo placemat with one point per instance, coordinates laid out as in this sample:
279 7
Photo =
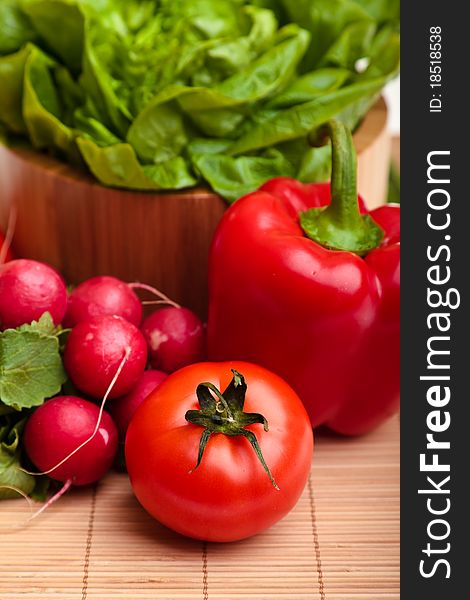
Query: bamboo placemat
341 542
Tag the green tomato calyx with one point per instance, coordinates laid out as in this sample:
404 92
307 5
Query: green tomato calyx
223 413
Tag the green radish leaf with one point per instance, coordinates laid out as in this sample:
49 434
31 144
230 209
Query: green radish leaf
31 368
41 488
10 452
12 476
6 410
44 326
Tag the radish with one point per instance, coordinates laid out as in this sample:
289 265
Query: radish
94 350
28 289
175 337
101 296
122 409
59 427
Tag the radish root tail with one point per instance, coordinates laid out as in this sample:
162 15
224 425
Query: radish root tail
24 524
163 298
10 232
20 493
51 500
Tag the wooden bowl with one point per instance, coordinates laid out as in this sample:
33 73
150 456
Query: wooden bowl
67 219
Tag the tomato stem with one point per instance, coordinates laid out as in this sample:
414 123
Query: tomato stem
221 399
224 414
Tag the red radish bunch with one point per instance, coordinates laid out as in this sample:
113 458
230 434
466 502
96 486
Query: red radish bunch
106 356
175 336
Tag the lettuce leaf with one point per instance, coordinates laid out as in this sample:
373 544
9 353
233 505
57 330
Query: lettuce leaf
168 94
117 166
16 29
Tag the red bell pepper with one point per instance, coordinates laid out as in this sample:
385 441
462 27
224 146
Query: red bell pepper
309 288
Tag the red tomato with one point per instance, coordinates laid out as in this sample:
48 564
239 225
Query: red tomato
229 496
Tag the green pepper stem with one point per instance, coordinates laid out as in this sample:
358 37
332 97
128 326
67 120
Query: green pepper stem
343 207
340 226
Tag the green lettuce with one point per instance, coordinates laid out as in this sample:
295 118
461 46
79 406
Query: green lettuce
168 94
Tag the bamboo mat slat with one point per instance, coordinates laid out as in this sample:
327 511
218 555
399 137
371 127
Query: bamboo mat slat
341 542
